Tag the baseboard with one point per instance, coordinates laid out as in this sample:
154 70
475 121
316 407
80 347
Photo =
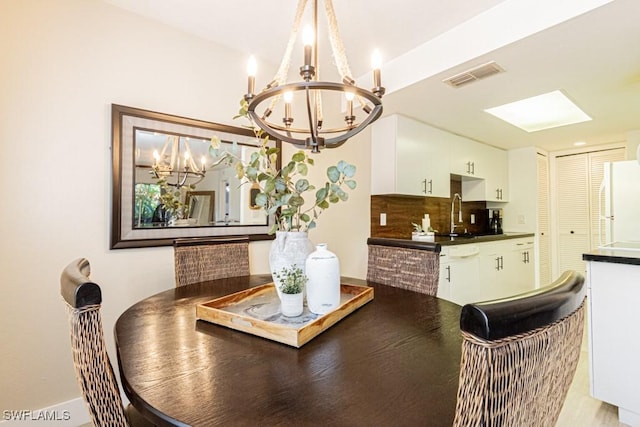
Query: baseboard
72 413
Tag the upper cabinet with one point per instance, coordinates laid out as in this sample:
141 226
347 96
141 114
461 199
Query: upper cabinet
490 178
407 157
412 158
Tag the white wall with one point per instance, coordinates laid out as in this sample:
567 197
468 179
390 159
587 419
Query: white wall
520 214
63 64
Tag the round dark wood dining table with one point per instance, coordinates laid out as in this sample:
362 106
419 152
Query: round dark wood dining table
393 362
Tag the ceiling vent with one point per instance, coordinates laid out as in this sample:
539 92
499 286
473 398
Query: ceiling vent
477 73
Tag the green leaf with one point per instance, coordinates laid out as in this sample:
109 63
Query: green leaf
310 161
269 186
280 183
311 225
334 198
261 199
343 196
305 217
296 201
298 157
273 229
255 156
350 183
321 194
349 171
302 185
302 169
333 174
272 150
323 205
341 165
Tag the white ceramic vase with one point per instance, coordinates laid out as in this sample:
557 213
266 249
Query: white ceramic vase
288 248
323 287
291 305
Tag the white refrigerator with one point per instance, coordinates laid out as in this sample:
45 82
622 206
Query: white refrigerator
620 212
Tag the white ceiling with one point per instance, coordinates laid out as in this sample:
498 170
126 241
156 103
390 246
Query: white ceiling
593 58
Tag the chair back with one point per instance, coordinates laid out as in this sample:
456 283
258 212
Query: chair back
403 266
519 355
91 360
201 259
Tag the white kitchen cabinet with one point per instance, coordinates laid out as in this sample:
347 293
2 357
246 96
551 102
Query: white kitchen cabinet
613 295
507 267
483 169
409 157
490 164
475 272
459 273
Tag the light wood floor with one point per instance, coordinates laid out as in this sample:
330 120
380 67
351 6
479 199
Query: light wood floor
580 409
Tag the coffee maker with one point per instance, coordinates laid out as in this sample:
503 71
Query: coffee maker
495 221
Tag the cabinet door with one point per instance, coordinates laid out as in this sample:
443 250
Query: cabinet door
491 165
573 211
464 280
544 227
409 157
463 156
412 157
519 268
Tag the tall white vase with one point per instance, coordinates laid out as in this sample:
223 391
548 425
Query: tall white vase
289 248
323 287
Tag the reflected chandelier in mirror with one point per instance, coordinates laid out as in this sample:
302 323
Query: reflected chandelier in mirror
167 185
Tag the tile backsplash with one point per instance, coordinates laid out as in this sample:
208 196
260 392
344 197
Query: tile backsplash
401 211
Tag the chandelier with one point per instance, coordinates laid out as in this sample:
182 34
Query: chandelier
174 167
313 132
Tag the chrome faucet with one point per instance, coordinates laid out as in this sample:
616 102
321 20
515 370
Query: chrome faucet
453 202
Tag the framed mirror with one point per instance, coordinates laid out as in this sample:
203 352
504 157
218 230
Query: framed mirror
166 184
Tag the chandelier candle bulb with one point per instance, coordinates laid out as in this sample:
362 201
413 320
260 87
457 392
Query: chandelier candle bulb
307 39
376 63
203 160
252 68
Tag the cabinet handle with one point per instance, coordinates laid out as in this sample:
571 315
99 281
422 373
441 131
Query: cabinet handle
571 232
498 193
501 263
528 260
501 194
473 168
449 273
524 257
498 263
469 168
424 182
430 186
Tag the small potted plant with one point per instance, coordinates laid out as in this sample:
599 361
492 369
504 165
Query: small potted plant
420 234
292 280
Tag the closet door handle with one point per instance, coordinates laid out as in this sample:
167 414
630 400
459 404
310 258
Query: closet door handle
449 273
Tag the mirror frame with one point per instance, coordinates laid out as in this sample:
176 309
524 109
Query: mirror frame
123 235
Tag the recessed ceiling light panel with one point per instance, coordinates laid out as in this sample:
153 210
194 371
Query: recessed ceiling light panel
546 111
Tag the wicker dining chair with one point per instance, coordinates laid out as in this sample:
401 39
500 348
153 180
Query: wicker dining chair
519 355
403 267
94 371
201 259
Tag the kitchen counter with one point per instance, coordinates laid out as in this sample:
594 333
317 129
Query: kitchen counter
440 241
616 256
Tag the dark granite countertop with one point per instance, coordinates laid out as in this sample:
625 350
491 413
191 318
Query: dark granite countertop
613 256
443 241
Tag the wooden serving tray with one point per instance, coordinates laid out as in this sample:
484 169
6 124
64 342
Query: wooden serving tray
257 311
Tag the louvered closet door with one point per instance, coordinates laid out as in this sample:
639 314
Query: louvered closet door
597 160
572 183
544 227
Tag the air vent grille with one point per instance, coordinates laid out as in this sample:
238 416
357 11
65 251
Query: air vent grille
474 74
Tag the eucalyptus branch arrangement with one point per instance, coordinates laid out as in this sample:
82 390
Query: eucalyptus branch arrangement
291 279
283 192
